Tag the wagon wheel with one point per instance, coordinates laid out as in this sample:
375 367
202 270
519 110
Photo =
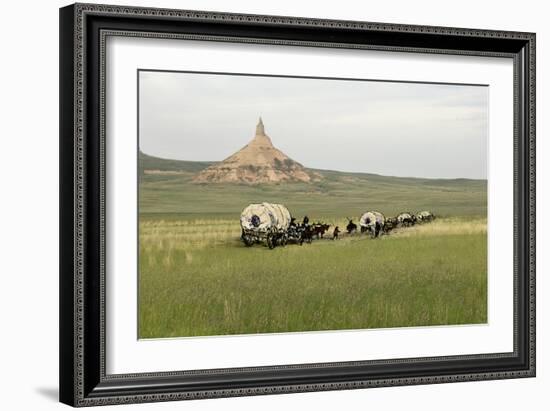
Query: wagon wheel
248 240
270 242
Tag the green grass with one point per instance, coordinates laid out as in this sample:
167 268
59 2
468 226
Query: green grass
197 278
338 194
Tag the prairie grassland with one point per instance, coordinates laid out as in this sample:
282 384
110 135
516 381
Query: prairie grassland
198 279
338 195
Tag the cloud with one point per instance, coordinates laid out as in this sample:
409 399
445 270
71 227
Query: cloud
391 128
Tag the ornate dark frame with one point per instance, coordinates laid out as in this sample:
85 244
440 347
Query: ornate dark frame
83 30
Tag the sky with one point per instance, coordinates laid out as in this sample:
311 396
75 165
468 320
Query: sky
387 128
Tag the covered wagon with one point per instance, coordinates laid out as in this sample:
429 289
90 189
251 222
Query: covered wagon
425 216
406 219
265 222
372 222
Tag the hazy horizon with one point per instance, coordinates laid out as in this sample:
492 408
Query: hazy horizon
385 128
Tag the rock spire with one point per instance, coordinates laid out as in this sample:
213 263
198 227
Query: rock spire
256 163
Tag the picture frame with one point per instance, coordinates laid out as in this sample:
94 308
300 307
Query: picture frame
84 30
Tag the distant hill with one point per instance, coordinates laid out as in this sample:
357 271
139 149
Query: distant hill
394 180
167 186
156 165
159 165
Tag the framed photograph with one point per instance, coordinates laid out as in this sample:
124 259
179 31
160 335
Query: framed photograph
262 204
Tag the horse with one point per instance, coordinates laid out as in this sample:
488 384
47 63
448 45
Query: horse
351 227
319 229
306 234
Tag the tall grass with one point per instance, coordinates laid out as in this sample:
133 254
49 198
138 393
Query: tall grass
197 278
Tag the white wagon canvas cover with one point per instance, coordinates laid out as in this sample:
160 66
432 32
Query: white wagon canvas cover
265 216
425 215
370 218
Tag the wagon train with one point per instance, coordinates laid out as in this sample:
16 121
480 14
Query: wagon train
273 225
